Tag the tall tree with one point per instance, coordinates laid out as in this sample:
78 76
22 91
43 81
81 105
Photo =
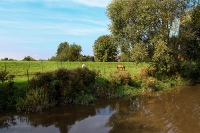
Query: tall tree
104 48
139 53
145 22
67 52
192 45
74 52
62 51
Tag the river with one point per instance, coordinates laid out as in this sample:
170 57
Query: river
175 110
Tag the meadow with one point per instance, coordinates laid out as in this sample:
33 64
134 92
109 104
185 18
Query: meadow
21 68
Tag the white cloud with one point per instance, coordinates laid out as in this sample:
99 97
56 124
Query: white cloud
29 27
98 3
64 3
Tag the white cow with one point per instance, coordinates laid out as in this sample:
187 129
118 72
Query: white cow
83 66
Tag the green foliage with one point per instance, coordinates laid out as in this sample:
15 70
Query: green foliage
86 58
118 84
7 91
192 47
135 21
67 52
163 58
139 53
125 57
58 87
52 86
191 71
36 100
102 87
119 77
164 29
74 52
3 76
62 51
53 58
7 59
84 98
105 50
28 58
150 84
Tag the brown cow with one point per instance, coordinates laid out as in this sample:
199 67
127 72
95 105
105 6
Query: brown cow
121 66
181 57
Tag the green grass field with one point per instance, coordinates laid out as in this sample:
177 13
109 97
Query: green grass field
19 68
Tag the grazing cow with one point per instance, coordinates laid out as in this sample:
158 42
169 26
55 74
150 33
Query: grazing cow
84 66
181 57
121 66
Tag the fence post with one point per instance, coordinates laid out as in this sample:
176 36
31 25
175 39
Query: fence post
27 75
27 71
42 65
5 66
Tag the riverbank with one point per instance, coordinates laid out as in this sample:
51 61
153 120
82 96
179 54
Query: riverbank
157 112
78 85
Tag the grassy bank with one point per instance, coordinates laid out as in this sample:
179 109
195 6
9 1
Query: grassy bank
52 83
19 68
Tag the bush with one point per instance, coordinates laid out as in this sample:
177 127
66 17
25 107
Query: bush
149 84
190 70
101 87
36 100
59 87
7 91
119 77
84 98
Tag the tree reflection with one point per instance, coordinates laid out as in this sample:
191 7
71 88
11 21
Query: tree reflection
164 111
7 120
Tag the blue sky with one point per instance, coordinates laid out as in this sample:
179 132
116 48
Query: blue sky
37 27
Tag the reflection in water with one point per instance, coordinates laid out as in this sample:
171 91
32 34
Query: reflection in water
95 124
176 110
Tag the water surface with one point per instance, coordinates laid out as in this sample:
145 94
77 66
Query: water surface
170 111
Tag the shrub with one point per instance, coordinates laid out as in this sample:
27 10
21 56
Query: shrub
65 86
120 77
7 91
190 70
36 100
3 76
84 98
101 87
149 84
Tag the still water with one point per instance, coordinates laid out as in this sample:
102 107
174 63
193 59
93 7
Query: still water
171 111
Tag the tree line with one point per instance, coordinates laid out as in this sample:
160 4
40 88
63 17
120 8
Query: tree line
164 33
151 30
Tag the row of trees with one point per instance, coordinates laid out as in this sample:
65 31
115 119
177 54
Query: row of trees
70 52
7 59
67 52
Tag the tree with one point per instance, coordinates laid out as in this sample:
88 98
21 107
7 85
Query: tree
74 52
62 51
86 58
5 59
191 31
28 58
164 59
139 53
145 22
53 58
104 48
67 52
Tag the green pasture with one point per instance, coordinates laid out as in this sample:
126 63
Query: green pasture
21 69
